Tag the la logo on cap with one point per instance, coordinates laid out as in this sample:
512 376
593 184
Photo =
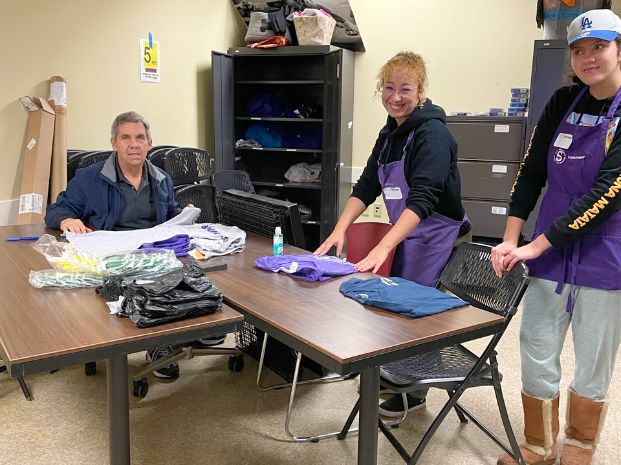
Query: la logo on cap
586 23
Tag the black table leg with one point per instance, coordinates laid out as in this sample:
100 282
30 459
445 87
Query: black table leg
369 396
118 410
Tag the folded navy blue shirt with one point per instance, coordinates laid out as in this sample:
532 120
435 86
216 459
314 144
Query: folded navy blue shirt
400 296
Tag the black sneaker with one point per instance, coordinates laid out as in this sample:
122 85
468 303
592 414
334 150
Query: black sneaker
393 407
169 372
207 342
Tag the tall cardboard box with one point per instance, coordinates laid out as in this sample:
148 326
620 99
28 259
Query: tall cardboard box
37 153
58 175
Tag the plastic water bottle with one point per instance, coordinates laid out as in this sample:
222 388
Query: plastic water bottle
278 243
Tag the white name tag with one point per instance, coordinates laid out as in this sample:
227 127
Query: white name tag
393 193
563 140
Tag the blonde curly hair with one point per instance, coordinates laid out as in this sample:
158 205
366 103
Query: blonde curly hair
409 62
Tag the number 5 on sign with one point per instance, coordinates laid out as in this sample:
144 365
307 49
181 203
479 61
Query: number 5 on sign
149 60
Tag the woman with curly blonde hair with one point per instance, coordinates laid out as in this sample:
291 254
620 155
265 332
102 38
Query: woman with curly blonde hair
414 166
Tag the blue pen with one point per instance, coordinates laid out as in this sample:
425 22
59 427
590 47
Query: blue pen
21 238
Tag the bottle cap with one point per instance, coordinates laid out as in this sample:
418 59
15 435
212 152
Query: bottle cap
278 230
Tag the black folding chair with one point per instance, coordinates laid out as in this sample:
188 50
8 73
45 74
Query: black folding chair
468 275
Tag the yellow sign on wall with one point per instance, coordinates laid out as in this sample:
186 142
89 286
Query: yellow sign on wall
149 60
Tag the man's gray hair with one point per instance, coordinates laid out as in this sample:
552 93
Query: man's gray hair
129 117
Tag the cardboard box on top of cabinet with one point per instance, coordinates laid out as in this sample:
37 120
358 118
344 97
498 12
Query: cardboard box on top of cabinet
37 155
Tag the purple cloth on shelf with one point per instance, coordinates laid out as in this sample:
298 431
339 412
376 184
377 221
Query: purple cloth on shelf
180 244
307 266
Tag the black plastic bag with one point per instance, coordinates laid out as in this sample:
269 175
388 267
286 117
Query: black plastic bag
182 293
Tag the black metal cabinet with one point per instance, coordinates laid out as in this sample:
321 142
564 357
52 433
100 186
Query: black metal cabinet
490 152
318 79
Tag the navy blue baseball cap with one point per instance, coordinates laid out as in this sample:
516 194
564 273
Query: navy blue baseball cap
597 24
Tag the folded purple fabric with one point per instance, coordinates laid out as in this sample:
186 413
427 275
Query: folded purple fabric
180 244
306 266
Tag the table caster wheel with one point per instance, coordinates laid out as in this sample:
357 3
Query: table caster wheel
236 363
90 368
141 387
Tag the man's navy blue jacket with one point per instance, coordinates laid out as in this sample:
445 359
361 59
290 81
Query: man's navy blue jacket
95 197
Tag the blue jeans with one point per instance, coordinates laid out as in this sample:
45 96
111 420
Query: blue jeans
596 329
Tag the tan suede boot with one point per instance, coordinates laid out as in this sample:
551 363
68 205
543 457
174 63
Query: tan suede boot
585 420
540 429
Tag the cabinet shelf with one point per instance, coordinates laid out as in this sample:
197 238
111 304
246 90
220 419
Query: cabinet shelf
284 120
294 185
281 82
269 149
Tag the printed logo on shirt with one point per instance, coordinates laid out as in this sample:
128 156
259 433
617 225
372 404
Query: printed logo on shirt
388 282
559 156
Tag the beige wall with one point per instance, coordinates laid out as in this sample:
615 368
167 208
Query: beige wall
94 45
476 51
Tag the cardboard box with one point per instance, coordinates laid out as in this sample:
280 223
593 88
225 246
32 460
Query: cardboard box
37 153
58 98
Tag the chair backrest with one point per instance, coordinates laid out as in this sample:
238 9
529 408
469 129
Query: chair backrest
186 165
361 238
160 148
261 215
470 276
202 196
85 159
232 179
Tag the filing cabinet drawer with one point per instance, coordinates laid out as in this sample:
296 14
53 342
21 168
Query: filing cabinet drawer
489 138
487 180
488 218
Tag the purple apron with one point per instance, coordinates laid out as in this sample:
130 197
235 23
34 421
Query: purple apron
422 255
594 260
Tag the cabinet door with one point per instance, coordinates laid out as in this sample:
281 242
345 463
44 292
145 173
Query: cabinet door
330 173
223 117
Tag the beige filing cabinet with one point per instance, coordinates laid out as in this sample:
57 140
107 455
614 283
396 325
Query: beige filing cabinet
490 152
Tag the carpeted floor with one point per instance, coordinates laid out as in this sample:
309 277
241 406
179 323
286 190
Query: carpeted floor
212 416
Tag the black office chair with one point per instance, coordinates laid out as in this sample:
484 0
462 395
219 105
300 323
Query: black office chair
468 275
85 159
186 165
202 196
160 148
232 179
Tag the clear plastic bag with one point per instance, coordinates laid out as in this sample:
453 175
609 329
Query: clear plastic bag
73 268
65 256
58 279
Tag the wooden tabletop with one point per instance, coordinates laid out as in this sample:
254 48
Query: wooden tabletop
319 316
37 324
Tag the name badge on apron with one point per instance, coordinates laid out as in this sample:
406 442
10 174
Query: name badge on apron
393 193
563 141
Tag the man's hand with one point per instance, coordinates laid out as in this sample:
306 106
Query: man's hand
74 225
